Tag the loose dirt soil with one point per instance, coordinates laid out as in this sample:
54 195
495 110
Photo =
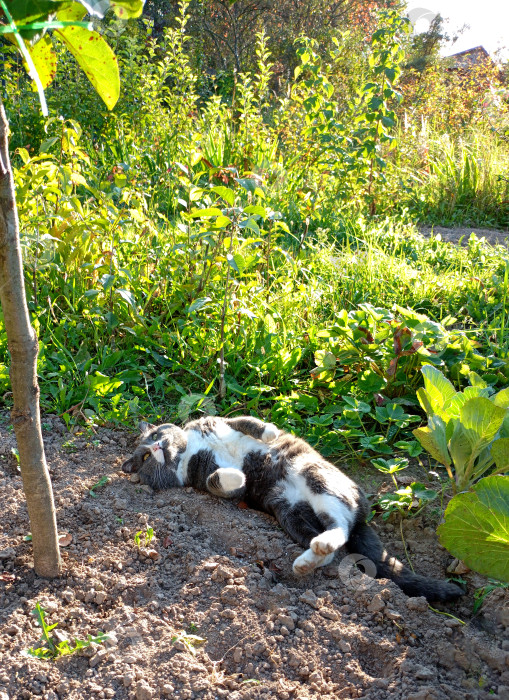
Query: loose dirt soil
454 235
223 573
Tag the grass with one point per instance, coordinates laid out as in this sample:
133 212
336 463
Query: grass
141 301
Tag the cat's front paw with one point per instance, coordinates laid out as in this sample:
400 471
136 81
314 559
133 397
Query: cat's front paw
270 433
327 542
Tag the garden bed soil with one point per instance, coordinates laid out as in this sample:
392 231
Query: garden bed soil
223 573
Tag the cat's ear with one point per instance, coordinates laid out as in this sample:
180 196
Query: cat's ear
144 426
128 465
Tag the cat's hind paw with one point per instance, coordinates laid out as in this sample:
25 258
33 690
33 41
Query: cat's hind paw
231 479
305 563
309 561
270 433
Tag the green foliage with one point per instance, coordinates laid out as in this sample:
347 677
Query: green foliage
198 252
390 466
52 648
25 21
99 484
403 500
467 431
148 536
190 641
481 594
476 527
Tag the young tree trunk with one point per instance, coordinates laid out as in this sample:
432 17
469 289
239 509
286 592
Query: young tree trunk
23 348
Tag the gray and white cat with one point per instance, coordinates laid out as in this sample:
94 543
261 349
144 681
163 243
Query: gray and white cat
319 507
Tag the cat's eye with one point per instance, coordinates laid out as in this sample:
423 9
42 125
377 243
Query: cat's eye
154 436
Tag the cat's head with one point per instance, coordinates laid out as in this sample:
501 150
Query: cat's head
157 456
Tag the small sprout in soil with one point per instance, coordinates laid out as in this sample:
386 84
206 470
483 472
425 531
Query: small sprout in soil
14 451
481 594
149 536
102 482
46 426
27 538
51 648
69 446
192 627
119 519
190 641
250 681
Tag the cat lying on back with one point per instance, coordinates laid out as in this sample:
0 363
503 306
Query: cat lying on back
319 507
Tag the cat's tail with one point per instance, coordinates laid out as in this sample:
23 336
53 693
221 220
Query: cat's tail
364 540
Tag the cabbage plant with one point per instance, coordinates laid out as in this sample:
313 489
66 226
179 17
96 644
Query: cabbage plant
467 431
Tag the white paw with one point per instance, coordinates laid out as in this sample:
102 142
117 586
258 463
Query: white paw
270 433
327 542
306 563
326 560
231 479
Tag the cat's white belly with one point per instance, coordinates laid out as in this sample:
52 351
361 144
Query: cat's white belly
229 447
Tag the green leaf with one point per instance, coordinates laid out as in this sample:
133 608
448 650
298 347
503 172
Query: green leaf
390 466
248 184
205 213
127 9
413 448
256 209
476 380
481 419
500 453
107 282
96 59
422 493
237 262
124 9
24 11
198 304
74 11
424 400
225 193
502 398
127 296
476 527
370 381
438 389
432 438
45 60
460 449
250 224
